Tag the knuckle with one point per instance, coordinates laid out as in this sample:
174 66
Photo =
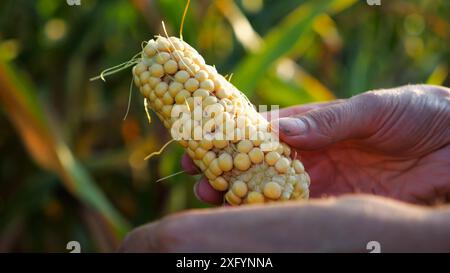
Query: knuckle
324 120
373 109
371 101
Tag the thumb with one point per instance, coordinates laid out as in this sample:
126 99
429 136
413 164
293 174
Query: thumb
349 119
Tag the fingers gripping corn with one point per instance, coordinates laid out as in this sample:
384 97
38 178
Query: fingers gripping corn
222 132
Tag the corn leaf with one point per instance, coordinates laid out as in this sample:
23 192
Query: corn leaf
46 147
282 93
280 41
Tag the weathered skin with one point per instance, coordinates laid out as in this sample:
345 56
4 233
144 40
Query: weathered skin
394 143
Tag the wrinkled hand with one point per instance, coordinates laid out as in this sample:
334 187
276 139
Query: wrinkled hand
393 142
344 224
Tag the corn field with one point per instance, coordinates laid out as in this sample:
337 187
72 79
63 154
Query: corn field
73 169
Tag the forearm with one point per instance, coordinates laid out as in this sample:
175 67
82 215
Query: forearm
333 225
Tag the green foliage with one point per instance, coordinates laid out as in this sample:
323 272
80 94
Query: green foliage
72 169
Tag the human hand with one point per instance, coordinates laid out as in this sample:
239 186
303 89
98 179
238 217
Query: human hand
392 142
344 224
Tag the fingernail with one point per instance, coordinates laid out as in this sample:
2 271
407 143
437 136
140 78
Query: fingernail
292 126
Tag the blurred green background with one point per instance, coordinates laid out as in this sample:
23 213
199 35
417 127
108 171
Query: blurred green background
72 169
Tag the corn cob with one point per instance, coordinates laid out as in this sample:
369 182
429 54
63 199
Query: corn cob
236 149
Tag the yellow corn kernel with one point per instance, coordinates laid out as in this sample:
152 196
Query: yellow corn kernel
171 67
256 155
298 166
191 85
225 162
245 146
232 198
220 144
162 57
219 184
214 167
272 190
181 97
271 158
156 70
255 198
207 84
209 157
239 188
282 165
242 161
201 75
200 153
181 76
